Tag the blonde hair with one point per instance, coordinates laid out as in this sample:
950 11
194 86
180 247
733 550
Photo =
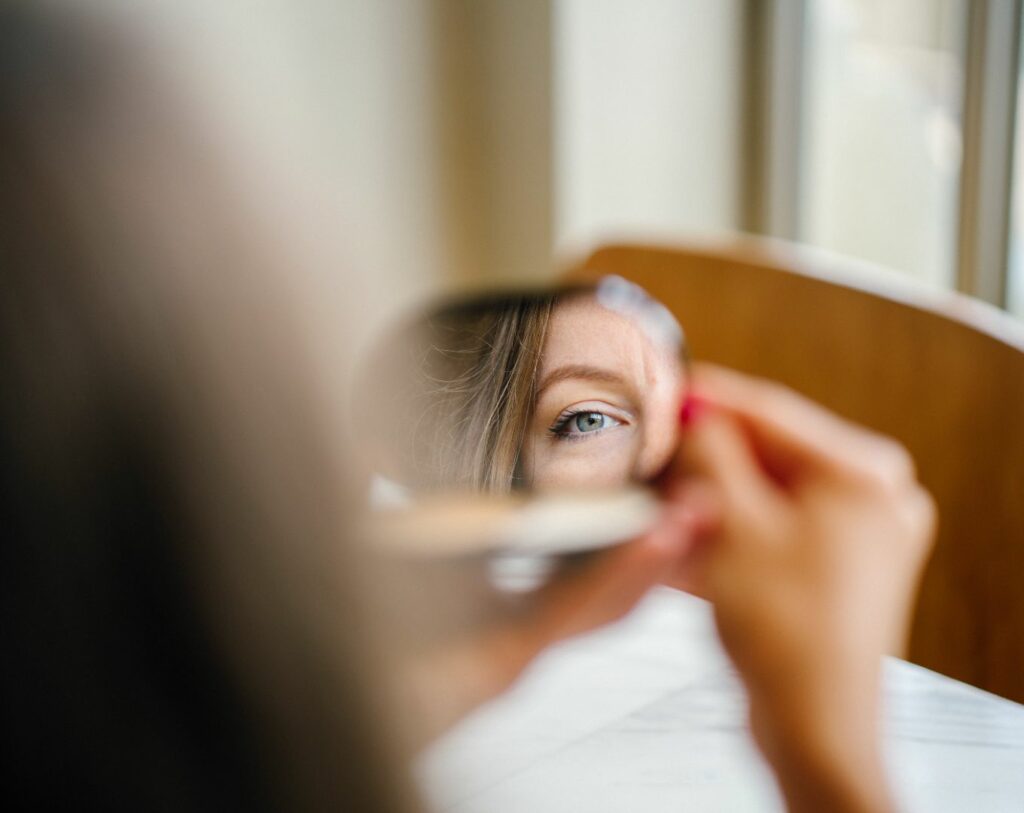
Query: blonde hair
454 406
485 386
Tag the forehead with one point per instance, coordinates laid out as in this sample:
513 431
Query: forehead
582 331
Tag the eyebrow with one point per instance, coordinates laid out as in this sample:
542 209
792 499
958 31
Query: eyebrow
581 371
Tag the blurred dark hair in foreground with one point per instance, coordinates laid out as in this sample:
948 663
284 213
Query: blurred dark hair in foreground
172 506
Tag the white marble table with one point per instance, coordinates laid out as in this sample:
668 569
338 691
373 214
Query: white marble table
648 717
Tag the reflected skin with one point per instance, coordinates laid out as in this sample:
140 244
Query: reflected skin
607 406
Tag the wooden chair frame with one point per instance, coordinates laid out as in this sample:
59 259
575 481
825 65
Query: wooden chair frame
941 372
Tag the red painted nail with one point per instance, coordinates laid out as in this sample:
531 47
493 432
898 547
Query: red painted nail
692 407
686 414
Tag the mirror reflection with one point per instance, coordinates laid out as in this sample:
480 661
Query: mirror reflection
572 388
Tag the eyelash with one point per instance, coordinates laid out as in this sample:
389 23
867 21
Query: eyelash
557 429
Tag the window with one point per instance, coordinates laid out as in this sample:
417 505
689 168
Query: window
879 129
1015 283
881 141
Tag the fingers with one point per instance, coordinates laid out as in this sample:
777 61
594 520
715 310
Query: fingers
610 586
792 431
689 573
922 517
718 450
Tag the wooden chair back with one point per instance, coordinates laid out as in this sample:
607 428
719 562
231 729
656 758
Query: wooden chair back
941 372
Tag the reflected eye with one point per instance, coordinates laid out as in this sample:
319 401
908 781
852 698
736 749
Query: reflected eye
577 424
589 421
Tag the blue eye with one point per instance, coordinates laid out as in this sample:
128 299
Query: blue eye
589 421
575 425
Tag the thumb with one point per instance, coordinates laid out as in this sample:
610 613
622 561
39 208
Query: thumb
608 587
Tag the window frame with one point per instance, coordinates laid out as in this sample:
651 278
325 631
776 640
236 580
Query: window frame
775 105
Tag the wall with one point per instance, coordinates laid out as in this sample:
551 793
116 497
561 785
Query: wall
648 117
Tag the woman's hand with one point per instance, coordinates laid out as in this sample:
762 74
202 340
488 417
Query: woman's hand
823 532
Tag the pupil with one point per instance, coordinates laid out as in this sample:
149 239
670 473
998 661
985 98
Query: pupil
589 421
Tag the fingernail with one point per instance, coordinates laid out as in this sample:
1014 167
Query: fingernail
691 410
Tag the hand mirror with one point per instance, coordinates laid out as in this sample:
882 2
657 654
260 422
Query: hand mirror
522 420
